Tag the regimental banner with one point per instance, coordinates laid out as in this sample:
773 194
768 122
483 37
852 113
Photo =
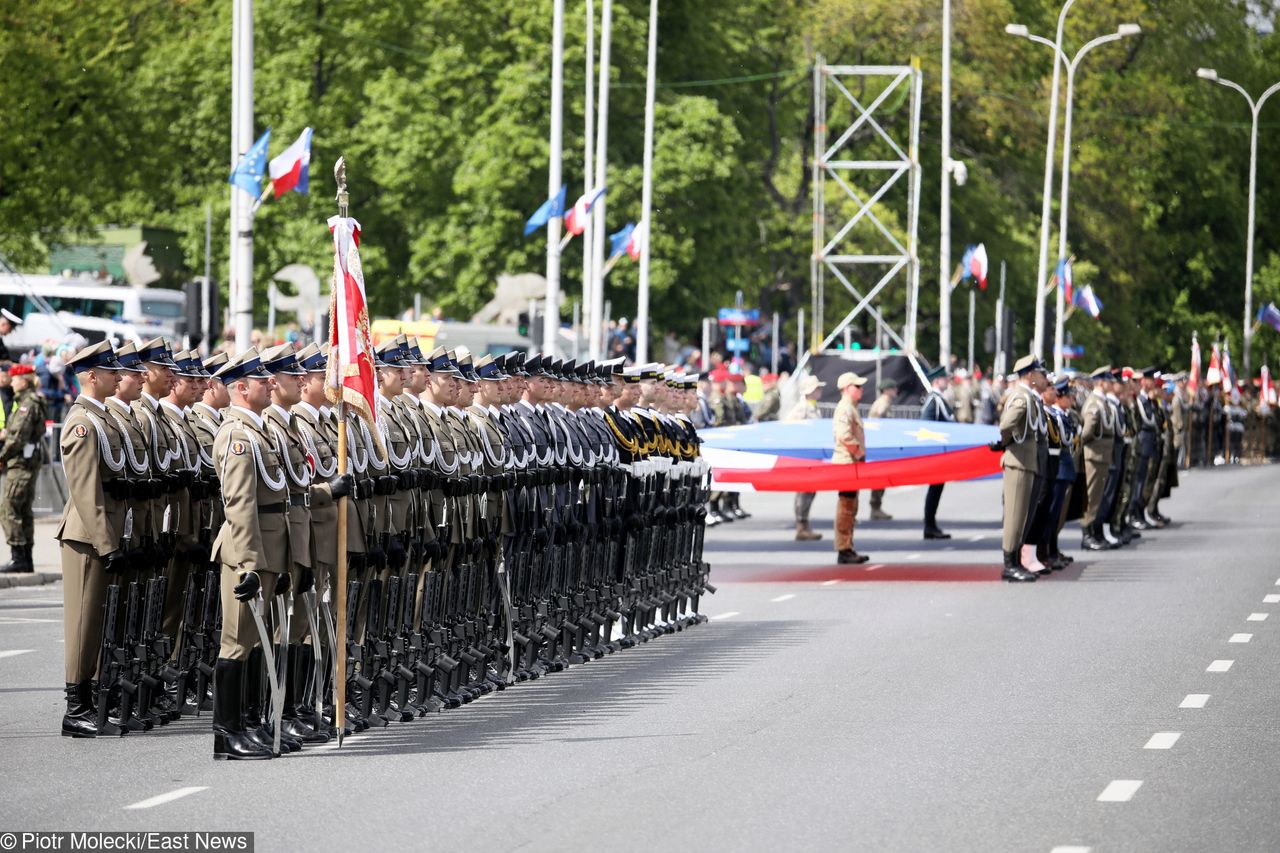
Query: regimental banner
350 372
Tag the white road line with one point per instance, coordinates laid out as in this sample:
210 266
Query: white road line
1240 638
874 566
1163 740
1271 599
23 620
1257 617
161 799
1195 700
13 653
978 537
913 556
1070 848
786 597
1220 666
831 582
729 615
1120 791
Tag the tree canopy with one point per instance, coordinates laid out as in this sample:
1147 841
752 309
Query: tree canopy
441 110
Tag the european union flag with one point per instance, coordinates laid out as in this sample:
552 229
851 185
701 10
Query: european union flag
252 167
550 209
1270 315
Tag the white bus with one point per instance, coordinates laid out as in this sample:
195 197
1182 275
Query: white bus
87 307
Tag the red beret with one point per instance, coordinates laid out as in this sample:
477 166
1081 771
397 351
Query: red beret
21 370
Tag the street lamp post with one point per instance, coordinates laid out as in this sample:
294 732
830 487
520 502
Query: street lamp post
1255 107
1042 271
1123 31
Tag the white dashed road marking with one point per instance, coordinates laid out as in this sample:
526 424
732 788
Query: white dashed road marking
1070 848
13 653
786 597
1195 700
728 615
1120 791
1220 666
913 556
1163 740
161 799
1240 638
1257 617
978 537
1271 599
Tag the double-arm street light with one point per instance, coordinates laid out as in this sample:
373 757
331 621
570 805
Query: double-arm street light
1255 107
1070 64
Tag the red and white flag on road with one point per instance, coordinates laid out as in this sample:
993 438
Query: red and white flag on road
351 376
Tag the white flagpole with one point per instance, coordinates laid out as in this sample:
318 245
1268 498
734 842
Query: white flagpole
242 309
646 193
588 142
234 247
551 320
595 343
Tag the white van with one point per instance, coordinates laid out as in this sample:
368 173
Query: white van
87 307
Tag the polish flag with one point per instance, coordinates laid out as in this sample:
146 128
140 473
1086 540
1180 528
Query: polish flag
978 265
350 375
1213 376
290 169
1193 380
637 237
575 222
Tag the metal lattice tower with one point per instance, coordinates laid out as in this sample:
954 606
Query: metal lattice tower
855 234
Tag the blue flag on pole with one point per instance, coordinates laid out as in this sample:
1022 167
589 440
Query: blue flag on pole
618 242
252 167
551 208
1270 315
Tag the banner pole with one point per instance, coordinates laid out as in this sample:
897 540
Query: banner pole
340 574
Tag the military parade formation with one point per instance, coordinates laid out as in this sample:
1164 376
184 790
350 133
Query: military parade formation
507 516
1102 448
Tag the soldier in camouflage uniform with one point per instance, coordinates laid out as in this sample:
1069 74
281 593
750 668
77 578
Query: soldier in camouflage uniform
21 457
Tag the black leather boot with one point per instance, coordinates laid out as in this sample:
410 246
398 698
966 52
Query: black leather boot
230 741
21 562
81 718
255 706
294 724
1013 570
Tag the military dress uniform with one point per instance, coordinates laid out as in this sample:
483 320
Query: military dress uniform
252 548
1098 434
90 533
880 409
1020 424
21 456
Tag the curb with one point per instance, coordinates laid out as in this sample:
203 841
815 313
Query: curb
32 579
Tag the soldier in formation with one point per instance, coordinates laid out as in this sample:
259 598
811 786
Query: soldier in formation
507 517
1107 446
21 455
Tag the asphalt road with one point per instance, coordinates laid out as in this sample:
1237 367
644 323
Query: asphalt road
912 704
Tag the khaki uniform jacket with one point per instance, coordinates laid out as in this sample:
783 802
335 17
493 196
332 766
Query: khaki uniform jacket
23 432
293 454
850 442
1099 430
189 511
91 517
398 443
165 457
324 510
204 422
964 402
804 410
252 478
1018 431
1178 419
493 461
446 461
880 407
137 467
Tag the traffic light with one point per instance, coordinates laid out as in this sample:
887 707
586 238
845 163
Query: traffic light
201 310
522 323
